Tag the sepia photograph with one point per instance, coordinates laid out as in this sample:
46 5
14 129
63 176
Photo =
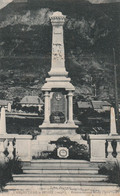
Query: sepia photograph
60 97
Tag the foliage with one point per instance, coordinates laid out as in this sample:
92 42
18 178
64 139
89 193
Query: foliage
12 166
76 150
5 174
15 165
16 103
31 109
112 169
93 122
79 151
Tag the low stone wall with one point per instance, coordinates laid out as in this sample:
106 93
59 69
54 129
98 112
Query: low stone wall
99 151
22 146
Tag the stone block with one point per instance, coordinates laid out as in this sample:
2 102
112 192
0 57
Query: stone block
23 147
97 148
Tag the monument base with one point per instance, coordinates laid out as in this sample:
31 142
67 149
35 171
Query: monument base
58 129
52 132
44 141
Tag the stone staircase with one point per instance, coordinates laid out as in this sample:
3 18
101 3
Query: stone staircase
68 173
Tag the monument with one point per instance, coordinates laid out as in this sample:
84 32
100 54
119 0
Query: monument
58 91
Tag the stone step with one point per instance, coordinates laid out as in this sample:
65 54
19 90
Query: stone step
59 168
58 174
75 178
62 163
66 183
54 161
59 171
59 161
63 189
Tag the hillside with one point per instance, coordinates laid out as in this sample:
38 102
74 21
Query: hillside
90 34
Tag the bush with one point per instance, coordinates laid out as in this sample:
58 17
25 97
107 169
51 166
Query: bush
5 174
76 150
112 170
13 166
79 151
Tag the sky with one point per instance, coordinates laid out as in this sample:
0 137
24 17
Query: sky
3 3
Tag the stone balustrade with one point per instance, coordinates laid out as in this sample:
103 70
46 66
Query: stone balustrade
6 150
104 147
15 145
113 152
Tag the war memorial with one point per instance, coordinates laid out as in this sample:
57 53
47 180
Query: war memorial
58 122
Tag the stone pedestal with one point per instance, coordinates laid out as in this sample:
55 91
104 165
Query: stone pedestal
97 148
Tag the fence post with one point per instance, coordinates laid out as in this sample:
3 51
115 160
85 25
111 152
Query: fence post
10 150
118 149
2 149
109 149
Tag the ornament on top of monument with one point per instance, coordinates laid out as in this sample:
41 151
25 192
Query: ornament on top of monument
57 17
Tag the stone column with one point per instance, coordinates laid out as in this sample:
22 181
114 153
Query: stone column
70 107
9 107
3 122
47 107
113 130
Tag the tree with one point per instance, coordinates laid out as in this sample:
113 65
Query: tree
16 103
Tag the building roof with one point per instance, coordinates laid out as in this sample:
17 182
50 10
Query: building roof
5 102
84 105
31 100
100 104
92 104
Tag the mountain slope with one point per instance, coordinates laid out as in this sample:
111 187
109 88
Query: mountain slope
90 34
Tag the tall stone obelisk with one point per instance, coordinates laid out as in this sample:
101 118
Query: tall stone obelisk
58 91
58 56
